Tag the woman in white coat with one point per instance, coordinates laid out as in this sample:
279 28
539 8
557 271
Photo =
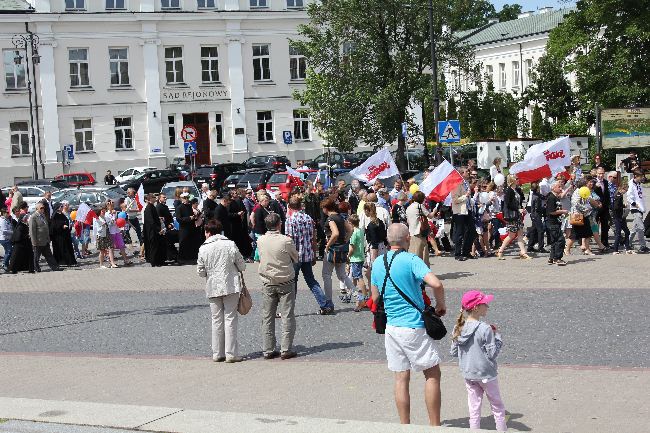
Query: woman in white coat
220 262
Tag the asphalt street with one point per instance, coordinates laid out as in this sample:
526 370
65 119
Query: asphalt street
554 327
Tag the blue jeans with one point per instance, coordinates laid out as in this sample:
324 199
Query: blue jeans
8 247
308 275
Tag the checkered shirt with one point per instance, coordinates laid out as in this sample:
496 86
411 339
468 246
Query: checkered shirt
300 228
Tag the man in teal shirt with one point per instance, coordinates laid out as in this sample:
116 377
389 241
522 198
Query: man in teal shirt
408 347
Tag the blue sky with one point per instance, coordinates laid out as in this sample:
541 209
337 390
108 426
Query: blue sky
531 5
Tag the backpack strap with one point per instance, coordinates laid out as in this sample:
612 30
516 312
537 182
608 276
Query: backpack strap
387 266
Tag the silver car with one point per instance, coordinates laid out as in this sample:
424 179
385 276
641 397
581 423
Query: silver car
169 189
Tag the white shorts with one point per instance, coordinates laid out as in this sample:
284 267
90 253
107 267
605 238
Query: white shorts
410 349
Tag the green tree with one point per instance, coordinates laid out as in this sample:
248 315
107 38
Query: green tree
540 127
452 112
509 12
507 116
469 14
550 89
606 43
367 60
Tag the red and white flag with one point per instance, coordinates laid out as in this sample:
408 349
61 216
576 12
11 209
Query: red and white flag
139 197
295 174
503 233
85 214
556 152
532 169
441 182
379 166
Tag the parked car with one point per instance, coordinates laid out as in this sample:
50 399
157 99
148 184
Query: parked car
364 154
215 174
77 179
231 181
273 162
257 179
153 180
169 189
130 173
95 196
414 158
336 160
32 194
283 183
47 182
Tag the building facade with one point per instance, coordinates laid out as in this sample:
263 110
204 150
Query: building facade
120 79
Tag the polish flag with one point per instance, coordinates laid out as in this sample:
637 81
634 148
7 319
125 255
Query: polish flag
295 174
503 233
380 165
139 197
532 170
441 182
85 214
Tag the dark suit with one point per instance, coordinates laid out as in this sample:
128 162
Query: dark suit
171 236
48 209
603 213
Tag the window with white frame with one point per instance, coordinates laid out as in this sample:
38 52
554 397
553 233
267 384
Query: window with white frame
78 58
123 133
112 5
218 127
174 65
295 4
171 130
257 4
14 74
297 64
301 125
515 75
502 75
261 62
19 138
206 4
210 64
264 126
83 135
119 64
75 5
528 66
170 4
454 80
489 72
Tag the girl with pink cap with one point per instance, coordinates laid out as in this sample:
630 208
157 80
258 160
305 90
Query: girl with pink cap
477 345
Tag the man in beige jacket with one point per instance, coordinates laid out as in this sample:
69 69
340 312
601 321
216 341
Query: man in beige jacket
39 232
277 257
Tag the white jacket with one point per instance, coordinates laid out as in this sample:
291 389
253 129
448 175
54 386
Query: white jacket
220 262
635 195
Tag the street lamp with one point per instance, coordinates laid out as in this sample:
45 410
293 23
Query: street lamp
29 42
434 78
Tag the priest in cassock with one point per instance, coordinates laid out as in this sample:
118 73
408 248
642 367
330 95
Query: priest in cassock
155 247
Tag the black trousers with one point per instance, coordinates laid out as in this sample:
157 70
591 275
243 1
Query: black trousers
49 257
621 225
604 227
557 241
536 232
464 231
135 223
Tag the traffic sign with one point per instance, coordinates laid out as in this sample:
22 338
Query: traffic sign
190 147
288 137
404 130
68 150
189 133
449 131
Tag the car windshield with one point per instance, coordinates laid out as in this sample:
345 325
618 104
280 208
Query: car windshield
278 178
252 177
312 177
233 178
204 171
170 190
115 193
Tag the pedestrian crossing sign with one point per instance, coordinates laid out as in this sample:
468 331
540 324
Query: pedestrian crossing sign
449 131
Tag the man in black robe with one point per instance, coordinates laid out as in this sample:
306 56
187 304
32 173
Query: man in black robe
222 214
239 223
61 236
22 253
154 242
210 206
188 243
171 234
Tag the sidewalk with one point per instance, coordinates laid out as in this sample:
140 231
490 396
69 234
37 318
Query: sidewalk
322 394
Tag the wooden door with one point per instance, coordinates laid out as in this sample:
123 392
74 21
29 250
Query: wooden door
202 125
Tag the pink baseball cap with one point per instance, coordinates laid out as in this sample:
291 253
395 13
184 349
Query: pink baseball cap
475 297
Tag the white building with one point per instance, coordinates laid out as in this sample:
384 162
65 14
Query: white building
507 51
118 79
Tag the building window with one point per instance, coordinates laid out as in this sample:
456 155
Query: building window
502 75
301 125
295 4
75 5
119 62
297 64
489 73
454 81
83 135
14 74
261 63
218 127
528 66
257 4
78 58
123 133
174 65
170 4
19 138
515 75
115 5
207 4
210 64
171 130
264 126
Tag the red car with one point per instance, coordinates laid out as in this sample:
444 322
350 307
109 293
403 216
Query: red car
77 179
283 182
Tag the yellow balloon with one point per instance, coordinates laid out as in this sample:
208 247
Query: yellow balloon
73 215
584 192
414 188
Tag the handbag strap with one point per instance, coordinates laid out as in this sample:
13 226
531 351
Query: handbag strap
387 265
402 294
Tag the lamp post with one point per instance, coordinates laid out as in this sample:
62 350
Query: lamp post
434 78
29 43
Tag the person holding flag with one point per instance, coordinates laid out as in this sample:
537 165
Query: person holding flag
133 208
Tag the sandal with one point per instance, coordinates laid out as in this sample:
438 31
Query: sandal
325 312
500 255
525 257
588 253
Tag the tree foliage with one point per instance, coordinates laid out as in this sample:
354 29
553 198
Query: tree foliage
470 14
539 126
509 12
367 60
550 89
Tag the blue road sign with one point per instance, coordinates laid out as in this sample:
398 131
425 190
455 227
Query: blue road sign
287 136
190 147
404 130
449 131
68 149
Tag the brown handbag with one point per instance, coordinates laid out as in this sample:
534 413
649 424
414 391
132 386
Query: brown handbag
577 219
245 301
